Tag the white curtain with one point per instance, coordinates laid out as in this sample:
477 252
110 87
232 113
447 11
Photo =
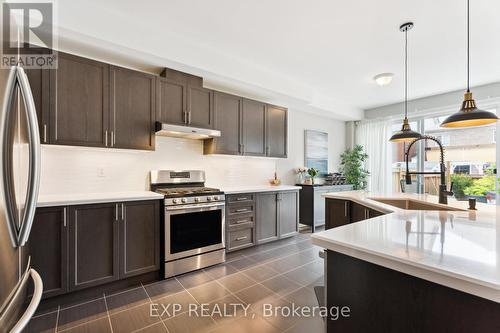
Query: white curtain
374 137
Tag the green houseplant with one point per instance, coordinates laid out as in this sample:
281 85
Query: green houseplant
352 165
313 172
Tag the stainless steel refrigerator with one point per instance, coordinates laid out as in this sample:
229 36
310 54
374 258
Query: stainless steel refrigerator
19 182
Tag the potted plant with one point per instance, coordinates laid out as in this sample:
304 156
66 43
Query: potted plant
352 166
313 173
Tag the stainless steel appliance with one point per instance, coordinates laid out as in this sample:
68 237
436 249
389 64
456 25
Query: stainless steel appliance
194 220
19 177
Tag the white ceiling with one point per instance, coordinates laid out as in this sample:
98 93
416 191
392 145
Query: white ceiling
318 55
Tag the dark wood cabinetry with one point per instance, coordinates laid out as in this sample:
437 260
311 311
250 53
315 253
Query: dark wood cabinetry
240 221
340 212
277 126
277 215
133 101
312 203
39 80
253 128
79 102
199 107
171 102
228 120
93 245
77 247
48 248
139 237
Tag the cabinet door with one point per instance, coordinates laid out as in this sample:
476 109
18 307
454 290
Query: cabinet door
267 217
337 213
277 124
172 102
200 107
254 128
228 120
374 213
139 237
93 245
48 248
288 213
132 109
39 80
319 206
79 106
358 212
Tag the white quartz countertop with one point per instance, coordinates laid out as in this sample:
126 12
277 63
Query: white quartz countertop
258 188
458 249
90 198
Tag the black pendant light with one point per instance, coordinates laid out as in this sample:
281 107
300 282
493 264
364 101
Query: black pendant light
406 134
469 114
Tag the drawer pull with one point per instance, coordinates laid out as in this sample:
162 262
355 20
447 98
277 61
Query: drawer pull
242 198
241 238
241 210
241 221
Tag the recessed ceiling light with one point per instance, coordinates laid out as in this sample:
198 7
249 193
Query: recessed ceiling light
383 79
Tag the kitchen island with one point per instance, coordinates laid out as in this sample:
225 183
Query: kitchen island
419 267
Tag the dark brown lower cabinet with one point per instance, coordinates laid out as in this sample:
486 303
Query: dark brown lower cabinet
341 212
113 241
94 245
277 215
139 237
48 248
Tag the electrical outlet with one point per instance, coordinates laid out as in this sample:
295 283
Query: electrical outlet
100 172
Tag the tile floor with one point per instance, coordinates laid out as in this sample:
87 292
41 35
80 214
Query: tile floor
279 273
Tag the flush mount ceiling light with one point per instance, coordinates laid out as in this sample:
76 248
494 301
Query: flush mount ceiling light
405 134
383 79
469 114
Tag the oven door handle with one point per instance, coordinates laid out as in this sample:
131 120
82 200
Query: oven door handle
184 207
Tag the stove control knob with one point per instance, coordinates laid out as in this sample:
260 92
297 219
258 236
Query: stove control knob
209 198
183 200
174 201
216 198
196 199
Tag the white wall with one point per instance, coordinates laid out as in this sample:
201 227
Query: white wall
75 169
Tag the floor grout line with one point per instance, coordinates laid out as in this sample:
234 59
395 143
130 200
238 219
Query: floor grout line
151 302
107 311
57 318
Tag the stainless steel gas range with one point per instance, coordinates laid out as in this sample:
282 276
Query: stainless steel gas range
194 220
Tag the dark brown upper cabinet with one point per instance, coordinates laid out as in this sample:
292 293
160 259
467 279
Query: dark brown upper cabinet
227 119
79 104
254 128
182 100
132 111
48 248
39 80
199 107
276 127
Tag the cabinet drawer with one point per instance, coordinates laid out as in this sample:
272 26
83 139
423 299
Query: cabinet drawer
240 220
240 238
241 209
243 197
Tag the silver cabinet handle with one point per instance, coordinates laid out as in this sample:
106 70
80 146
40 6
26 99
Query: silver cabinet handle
241 210
241 238
64 217
241 221
189 117
242 198
116 212
106 138
345 208
34 158
112 138
45 133
123 212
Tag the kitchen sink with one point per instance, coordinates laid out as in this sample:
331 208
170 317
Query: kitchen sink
410 204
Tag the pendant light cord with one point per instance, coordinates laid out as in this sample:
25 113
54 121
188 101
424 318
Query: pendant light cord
468 47
406 73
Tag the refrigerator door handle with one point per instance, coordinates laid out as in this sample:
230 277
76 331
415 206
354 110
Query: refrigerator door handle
35 300
6 157
34 158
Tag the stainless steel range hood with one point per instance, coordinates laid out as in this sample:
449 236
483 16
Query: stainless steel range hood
185 131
